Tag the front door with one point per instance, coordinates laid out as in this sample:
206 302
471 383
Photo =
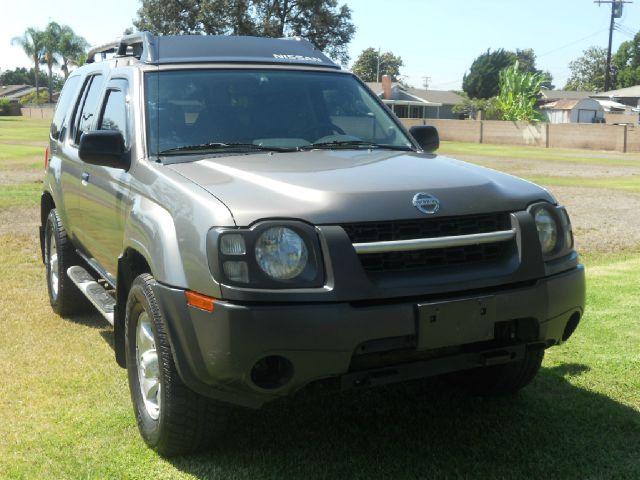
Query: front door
105 190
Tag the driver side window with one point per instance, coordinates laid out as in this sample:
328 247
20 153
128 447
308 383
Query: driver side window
114 113
85 118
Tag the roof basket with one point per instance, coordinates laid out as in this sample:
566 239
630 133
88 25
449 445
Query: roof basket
138 45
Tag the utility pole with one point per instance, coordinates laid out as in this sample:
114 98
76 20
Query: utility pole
378 70
425 82
616 12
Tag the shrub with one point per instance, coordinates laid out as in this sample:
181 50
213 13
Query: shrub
31 98
5 106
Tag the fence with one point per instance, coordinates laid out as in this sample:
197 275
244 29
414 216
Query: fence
620 138
38 111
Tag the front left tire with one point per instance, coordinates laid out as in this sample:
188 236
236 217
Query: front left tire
172 419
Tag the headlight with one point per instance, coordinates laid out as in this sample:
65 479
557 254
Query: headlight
547 230
281 253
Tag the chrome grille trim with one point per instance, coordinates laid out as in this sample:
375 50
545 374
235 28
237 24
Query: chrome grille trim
433 243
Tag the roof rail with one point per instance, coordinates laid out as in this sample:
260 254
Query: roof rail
140 44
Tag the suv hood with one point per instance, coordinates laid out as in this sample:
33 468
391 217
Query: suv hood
344 186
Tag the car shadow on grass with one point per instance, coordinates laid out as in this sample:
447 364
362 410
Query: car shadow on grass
552 429
95 321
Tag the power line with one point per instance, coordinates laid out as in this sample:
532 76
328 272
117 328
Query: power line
573 43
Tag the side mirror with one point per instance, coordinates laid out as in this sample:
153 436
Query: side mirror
104 148
426 136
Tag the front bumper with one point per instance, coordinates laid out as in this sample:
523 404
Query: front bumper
215 352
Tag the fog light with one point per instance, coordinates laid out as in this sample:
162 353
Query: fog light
236 271
272 372
232 244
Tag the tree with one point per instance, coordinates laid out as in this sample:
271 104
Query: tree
32 42
527 64
72 49
626 63
322 22
471 106
519 92
482 79
588 71
366 66
42 97
52 35
22 76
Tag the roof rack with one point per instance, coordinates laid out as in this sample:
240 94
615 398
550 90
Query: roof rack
137 45
171 49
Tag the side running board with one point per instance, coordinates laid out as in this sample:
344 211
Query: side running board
97 295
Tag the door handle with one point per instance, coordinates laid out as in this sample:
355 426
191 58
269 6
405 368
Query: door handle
85 178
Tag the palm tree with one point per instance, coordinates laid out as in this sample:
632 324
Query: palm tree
32 42
52 36
72 48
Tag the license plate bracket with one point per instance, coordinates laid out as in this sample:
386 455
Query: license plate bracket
457 322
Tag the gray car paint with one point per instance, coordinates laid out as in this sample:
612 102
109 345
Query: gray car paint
340 186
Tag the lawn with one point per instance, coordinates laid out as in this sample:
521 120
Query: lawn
65 410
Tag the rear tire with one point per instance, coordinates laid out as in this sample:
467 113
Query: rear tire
172 419
499 380
64 296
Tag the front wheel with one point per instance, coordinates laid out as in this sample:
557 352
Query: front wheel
172 419
499 380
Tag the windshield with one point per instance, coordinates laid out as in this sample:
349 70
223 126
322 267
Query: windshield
190 111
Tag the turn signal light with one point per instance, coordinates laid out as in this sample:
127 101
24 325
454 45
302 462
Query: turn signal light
199 300
46 158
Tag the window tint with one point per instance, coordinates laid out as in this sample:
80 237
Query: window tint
263 107
64 102
87 114
114 116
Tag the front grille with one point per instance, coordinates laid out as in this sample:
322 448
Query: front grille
430 228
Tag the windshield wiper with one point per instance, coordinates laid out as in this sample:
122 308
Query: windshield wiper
346 144
217 146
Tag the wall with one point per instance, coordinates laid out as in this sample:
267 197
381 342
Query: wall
514 133
458 130
621 138
587 135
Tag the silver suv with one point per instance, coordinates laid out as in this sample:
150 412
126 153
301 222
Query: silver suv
252 219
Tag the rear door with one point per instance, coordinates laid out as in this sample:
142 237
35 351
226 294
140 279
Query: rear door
105 190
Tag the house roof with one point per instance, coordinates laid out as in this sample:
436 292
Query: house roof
441 97
622 92
568 104
561 105
551 95
15 91
611 106
444 97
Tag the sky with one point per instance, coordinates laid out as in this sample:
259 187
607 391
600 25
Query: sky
435 39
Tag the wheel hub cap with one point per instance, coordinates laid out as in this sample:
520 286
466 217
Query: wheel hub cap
53 265
148 369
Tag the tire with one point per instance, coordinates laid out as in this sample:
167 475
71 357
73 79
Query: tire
64 296
499 380
172 419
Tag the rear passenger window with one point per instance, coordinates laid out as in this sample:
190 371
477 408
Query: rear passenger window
86 116
114 116
64 102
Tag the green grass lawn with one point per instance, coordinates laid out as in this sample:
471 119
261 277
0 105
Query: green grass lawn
578 156
22 194
65 411
22 129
